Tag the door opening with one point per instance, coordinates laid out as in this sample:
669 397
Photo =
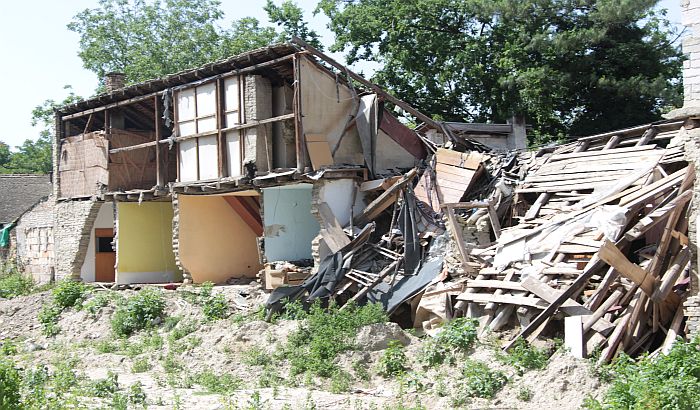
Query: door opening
105 256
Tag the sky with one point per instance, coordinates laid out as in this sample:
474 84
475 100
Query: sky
39 55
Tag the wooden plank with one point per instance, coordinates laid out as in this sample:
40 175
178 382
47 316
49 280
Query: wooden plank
384 200
671 276
535 208
613 257
656 216
610 152
471 160
657 186
495 223
454 173
319 150
466 205
331 231
506 299
458 238
494 284
559 188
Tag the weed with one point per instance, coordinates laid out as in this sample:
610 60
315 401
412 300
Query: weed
255 402
665 382
186 344
170 322
141 365
480 381
119 402
106 346
184 328
171 364
136 394
359 367
325 333
456 336
48 317
269 377
524 356
13 282
138 312
104 387
524 394
93 305
393 360
69 293
340 381
224 383
8 348
215 307
10 382
256 356
206 289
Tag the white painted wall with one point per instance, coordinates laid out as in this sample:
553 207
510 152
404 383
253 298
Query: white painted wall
338 195
105 219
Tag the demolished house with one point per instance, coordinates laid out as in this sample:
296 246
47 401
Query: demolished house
221 171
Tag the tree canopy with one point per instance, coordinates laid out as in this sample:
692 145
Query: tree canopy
568 66
146 39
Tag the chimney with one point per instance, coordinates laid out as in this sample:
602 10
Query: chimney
114 81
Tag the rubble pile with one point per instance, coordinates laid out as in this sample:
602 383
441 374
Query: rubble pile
589 236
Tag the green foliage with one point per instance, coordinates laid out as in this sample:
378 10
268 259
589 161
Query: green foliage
291 18
104 387
480 381
325 333
13 282
340 381
184 328
524 394
256 356
139 311
93 305
665 382
141 365
215 307
48 317
457 336
393 361
147 39
564 65
224 383
8 347
69 293
136 395
524 356
10 383
106 346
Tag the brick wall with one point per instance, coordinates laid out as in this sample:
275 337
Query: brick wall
35 241
73 222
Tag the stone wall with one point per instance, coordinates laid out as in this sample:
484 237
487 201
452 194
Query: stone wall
257 106
35 241
73 222
186 275
690 11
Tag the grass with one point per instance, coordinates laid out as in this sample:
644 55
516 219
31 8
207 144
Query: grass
524 356
14 283
457 336
325 333
665 382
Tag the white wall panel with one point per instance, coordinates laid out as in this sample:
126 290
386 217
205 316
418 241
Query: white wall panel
233 153
185 105
206 99
208 163
188 160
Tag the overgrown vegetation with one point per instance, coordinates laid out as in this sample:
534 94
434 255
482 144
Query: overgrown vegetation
140 311
665 382
10 381
479 380
393 361
66 294
326 332
456 337
524 357
14 283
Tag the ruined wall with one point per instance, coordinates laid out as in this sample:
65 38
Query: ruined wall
73 221
257 103
35 241
288 224
104 219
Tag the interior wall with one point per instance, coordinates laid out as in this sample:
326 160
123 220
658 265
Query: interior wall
337 193
144 243
105 219
391 155
215 244
326 107
288 224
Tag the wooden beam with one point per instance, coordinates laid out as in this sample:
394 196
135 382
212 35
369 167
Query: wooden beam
245 211
384 200
613 257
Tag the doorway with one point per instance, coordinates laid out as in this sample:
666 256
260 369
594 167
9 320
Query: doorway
105 256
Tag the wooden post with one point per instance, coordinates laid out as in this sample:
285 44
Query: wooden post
156 110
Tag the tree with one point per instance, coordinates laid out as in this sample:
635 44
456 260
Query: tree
291 18
568 66
146 39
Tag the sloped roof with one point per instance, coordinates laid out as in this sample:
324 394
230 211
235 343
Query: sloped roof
19 192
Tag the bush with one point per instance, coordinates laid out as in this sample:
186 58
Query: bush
13 282
665 382
325 333
224 383
48 317
215 307
141 365
10 382
480 381
456 336
393 360
68 293
138 312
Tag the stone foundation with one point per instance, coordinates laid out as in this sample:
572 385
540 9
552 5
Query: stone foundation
73 222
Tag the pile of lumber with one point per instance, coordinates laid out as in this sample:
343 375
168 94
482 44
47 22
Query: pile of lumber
600 239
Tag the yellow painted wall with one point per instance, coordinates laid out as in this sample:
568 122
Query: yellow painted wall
144 243
215 243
